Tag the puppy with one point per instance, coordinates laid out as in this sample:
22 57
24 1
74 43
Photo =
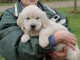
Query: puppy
34 21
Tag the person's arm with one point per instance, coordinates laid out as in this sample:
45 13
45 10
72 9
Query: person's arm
10 35
10 45
66 36
63 36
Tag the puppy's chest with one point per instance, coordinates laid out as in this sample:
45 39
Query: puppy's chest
33 33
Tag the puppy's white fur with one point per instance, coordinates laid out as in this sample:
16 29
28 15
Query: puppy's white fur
44 27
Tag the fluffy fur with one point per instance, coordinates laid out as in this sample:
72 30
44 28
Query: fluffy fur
34 21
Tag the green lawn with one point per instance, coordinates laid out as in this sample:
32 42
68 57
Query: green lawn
0 13
74 22
1 58
7 4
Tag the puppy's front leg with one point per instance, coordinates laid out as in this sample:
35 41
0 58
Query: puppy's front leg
44 37
25 38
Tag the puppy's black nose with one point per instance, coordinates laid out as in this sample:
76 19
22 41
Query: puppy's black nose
33 26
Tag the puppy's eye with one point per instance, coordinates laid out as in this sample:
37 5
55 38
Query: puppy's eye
27 18
37 18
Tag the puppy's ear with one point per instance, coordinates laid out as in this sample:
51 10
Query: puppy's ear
20 20
45 20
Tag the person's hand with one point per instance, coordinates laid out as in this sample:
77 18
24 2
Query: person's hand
66 37
61 55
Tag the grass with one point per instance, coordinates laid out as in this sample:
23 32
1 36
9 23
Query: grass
0 13
11 4
57 0
74 21
6 4
1 58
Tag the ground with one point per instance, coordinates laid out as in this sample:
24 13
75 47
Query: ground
59 4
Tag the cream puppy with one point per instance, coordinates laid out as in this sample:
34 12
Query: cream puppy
34 21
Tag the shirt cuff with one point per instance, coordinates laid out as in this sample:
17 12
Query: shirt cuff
52 40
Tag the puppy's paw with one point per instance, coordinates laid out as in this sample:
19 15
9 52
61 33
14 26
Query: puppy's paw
25 38
43 42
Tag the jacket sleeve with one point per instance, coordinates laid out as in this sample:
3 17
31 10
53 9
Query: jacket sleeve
11 48
62 19
10 33
56 16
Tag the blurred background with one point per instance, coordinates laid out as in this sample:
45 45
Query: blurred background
71 8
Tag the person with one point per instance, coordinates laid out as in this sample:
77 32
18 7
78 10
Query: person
11 48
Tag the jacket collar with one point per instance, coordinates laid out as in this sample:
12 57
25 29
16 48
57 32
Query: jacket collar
18 8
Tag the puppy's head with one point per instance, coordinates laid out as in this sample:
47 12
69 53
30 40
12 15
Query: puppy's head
32 19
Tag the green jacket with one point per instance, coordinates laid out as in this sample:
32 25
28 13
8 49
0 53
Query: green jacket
11 48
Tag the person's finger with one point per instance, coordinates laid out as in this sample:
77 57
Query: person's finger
65 50
61 51
71 46
73 42
58 54
74 37
53 54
